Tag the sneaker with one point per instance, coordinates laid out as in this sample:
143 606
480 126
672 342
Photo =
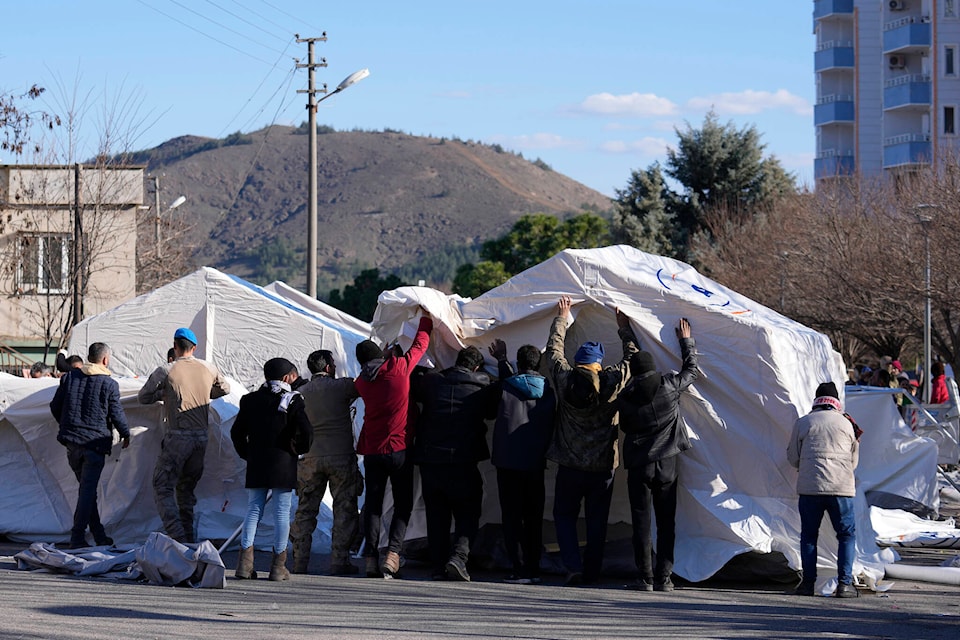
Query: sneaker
804 589
103 541
641 584
515 579
457 569
846 591
666 585
574 579
391 564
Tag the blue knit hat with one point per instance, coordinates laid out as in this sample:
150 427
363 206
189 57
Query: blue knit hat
589 353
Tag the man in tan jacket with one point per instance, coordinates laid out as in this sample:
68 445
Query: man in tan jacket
824 447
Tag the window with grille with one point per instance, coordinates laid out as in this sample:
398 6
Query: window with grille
44 263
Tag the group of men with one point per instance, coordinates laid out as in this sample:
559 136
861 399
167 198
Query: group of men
544 409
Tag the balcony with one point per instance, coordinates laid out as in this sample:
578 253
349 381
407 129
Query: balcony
911 34
832 55
824 8
907 91
834 162
833 108
906 149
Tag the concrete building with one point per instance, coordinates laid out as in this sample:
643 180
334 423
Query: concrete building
888 84
47 279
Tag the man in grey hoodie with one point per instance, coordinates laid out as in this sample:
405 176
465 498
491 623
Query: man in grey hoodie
521 436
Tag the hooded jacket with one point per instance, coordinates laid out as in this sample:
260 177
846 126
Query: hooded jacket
384 385
585 437
525 418
451 428
651 423
87 407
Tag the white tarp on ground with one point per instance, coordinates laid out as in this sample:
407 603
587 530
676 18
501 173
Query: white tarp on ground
759 372
239 326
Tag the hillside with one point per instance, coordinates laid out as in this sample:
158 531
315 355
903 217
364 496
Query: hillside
385 199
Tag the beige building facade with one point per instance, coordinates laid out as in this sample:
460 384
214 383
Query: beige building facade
62 260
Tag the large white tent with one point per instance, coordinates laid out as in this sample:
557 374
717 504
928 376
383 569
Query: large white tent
759 371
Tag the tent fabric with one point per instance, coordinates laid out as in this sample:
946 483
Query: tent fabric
737 492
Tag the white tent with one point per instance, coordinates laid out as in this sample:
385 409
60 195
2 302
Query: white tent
759 371
239 326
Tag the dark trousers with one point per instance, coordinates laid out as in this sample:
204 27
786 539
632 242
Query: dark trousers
654 485
379 468
87 466
451 491
593 489
521 514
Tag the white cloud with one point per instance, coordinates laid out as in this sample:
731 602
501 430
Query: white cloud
536 141
639 105
644 146
751 102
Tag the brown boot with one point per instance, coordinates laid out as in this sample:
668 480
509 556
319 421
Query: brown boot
391 564
245 565
278 567
301 559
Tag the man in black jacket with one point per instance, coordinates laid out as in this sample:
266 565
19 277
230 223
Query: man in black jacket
450 441
521 436
655 435
87 406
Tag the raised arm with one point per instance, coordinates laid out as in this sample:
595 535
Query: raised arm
690 370
558 332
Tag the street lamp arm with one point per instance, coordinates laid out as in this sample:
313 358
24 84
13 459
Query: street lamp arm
351 79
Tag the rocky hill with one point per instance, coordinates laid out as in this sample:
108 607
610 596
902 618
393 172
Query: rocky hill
398 202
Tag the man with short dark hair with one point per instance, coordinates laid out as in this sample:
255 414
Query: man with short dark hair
521 436
87 406
331 460
186 387
450 441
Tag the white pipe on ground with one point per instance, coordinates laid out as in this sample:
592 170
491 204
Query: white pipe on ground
939 575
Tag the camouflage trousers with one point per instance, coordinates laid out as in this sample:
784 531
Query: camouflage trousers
175 479
346 484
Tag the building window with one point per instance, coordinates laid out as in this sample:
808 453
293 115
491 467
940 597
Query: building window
949 9
950 60
44 263
949 120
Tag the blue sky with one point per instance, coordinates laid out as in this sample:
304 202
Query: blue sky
593 88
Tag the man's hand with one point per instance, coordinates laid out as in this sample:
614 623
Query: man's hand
563 307
623 321
125 442
498 349
683 329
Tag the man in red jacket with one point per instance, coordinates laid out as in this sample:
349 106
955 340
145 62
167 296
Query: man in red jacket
384 385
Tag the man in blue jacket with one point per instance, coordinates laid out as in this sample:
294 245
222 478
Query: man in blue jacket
87 406
521 436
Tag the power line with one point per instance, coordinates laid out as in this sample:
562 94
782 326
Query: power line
260 15
298 18
204 34
242 19
223 26
257 90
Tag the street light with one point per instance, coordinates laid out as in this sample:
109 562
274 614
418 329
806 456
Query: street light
352 79
173 205
925 220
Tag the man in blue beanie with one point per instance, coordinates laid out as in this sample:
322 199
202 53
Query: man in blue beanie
584 441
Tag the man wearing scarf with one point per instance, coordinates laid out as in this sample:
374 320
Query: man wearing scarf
584 443
824 447
654 436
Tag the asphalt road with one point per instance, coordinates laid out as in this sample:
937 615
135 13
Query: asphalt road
44 605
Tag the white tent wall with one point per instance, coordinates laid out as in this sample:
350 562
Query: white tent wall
759 371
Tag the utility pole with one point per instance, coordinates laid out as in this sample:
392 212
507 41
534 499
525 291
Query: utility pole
156 211
77 253
312 92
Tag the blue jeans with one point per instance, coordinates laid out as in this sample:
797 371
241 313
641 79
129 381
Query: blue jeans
842 516
593 489
283 498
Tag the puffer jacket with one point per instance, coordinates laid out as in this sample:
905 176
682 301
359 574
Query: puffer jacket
585 438
653 429
451 428
825 450
87 407
525 419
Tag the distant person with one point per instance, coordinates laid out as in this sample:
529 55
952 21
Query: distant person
938 385
521 435
171 355
186 387
331 461
451 439
824 447
654 438
584 444
87 407
384 385
75 362
40 370
270 431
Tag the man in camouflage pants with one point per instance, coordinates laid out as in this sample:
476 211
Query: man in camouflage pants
186 387
332 459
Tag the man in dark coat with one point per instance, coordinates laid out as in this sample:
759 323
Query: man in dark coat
654 436
450 441
521 436
87 406
270 430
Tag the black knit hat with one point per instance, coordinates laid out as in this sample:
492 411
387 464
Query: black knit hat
276 368
367 351
827 389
